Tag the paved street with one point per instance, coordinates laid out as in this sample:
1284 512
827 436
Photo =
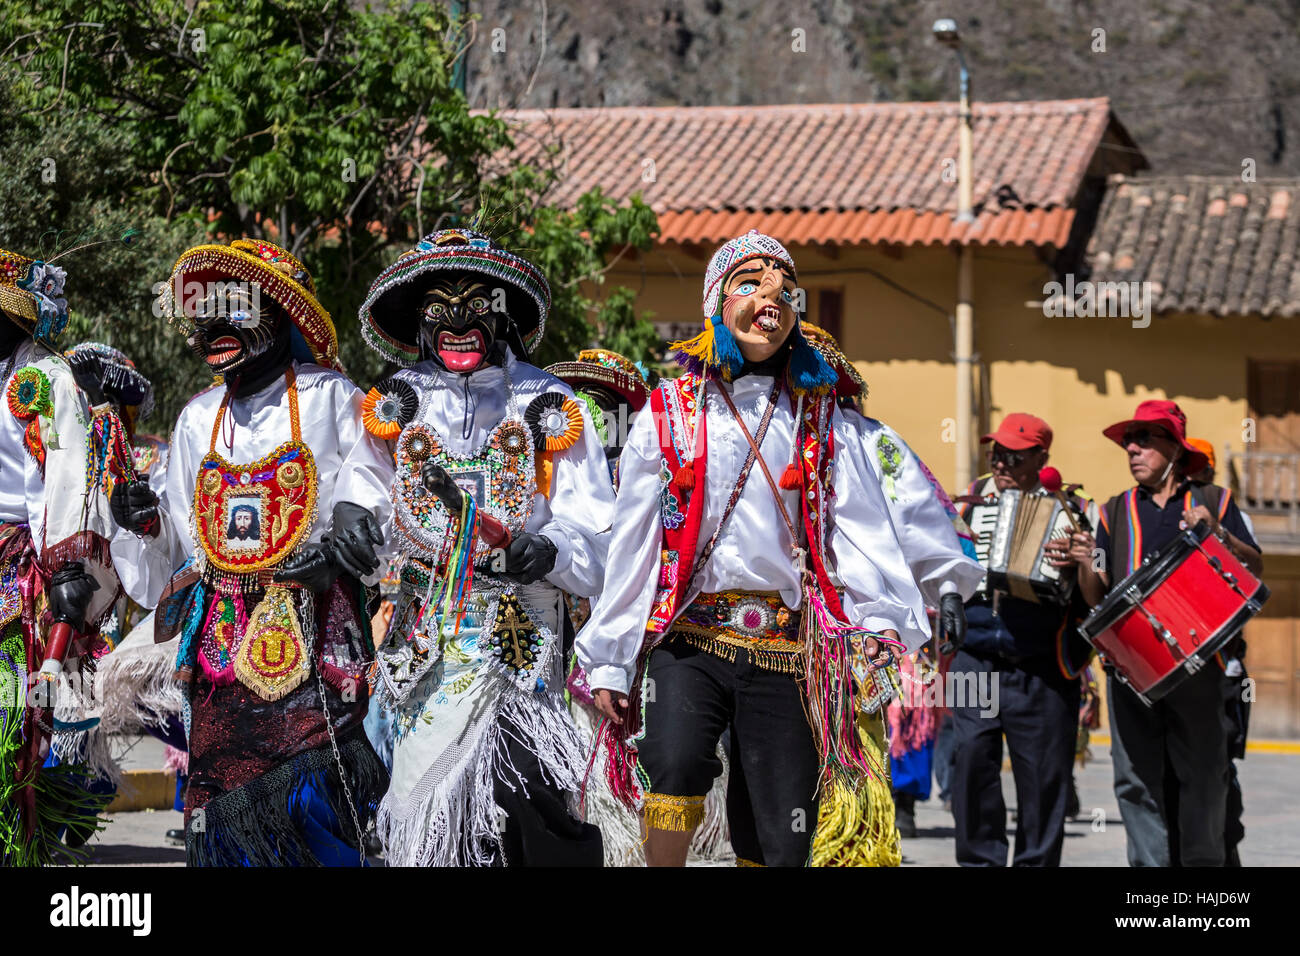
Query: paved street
1269 781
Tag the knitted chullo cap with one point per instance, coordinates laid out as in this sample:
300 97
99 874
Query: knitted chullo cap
389 315
715 350
752 245
31 294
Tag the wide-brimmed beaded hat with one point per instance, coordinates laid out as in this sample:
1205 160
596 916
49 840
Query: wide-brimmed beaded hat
31 294
390 319
278 275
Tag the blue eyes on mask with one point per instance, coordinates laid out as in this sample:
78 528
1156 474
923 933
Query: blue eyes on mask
749 288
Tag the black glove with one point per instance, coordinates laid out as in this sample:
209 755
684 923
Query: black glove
134 505
355 535
88 371
439 483
312 565
952 623
529 557
69 593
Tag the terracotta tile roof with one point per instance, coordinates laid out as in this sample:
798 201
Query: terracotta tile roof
1209 244
852 173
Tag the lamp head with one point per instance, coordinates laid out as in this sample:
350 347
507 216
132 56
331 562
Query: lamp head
945 31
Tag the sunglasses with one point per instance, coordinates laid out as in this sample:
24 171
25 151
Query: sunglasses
1012 459
1144 437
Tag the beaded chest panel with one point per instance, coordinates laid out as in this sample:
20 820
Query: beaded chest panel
250 517
500 477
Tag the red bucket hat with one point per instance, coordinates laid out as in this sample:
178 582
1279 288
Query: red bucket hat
1168 416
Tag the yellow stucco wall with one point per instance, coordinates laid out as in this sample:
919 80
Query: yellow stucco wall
1080 374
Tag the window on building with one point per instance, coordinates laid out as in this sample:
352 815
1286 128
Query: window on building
1273 392
830 311
1268 475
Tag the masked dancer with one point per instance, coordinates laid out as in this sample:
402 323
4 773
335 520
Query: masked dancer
500 505
274 638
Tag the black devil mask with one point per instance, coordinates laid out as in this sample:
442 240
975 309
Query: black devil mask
461 317
240 335
395 316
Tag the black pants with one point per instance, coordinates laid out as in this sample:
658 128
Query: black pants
1037 710
538 829
1184 735
695 696
1237 714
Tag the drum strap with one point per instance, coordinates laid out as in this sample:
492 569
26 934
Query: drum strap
1126 531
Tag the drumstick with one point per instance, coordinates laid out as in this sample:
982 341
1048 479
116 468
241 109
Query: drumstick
1050 479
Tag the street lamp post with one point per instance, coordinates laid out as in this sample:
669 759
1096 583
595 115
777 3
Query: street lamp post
945 31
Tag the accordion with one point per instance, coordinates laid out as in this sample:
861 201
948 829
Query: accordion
1016 563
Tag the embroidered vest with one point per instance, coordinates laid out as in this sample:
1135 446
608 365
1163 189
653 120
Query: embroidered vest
676 409
248 519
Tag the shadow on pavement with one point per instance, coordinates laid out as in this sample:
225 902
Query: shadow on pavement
112 854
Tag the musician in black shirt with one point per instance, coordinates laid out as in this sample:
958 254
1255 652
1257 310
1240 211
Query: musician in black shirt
1017 642
1187 730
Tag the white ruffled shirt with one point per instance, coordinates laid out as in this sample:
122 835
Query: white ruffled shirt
930 543
753 552
464 409
351 465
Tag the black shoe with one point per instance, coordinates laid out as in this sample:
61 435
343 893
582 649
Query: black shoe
1072 802
905 814
175 837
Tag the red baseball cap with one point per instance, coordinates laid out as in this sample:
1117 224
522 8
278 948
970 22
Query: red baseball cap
1019 431
1168 416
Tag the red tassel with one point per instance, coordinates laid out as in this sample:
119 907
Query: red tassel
620 767
792 477
685 477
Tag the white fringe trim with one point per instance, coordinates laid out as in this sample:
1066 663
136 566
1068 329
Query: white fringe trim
136 689
712 839
93 749
621 828
455 820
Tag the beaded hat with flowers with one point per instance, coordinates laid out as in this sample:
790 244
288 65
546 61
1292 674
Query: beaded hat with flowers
276 273
31 295
390 315
714 351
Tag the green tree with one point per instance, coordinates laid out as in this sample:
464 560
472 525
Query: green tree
332 130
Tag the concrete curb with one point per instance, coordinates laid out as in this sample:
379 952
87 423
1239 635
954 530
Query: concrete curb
1252 746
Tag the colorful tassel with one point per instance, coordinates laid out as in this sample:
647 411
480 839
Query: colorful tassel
451 589
620 765
857 827
714 349
809 372
685 477
792 477
831 694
